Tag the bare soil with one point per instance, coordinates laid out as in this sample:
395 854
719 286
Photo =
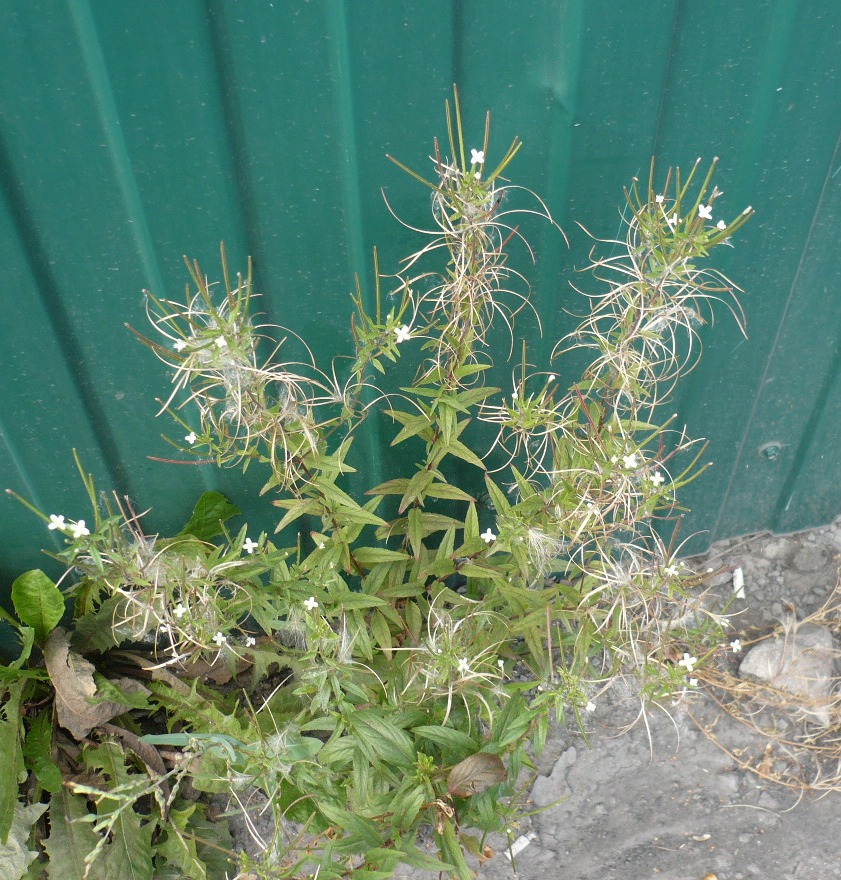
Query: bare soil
665 800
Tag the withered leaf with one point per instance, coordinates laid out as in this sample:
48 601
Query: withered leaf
476 774
72 678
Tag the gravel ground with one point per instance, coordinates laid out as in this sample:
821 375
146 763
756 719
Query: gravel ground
664 800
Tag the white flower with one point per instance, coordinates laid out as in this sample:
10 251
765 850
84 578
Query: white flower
693 682
672 571
658 479
630 461
463 666
191 438
672 221
250 642
221 342
250 546
404 333
515 395
477 157
614 459
220 639
590 707
736 646
79 529
688 662
488 537
311 604
179 345
179 611
658 199
478 175
705 212
721 225
57 522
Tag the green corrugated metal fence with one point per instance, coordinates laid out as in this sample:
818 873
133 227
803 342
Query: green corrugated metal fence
133 132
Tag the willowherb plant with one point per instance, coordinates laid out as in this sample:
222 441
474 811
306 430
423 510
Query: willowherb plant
409 659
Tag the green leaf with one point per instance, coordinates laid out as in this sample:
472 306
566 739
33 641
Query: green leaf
130 848
374 555
416 489
296 507
500 502
71 839
211 510
27 641
95 631
406 805
11 765
512 723
471 525
382 633
38 602
416 858
389 742
416 531
344 502
37 752
184 846
353 601
446 737
180 850
457 448
413 424
364 830
445 490
390 487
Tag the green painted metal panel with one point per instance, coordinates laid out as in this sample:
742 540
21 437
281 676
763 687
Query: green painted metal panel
134 132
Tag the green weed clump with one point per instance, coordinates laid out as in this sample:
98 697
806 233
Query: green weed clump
380 672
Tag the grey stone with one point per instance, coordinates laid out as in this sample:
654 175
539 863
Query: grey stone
810 558
801 663
548 789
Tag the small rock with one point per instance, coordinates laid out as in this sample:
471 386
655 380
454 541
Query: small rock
548 789
729 783
767 802
776 549
811 558
802 663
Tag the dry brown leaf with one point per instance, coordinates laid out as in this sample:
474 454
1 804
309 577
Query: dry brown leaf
476 774
72 678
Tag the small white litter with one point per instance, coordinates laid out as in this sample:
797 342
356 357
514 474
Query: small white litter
738 583
519 845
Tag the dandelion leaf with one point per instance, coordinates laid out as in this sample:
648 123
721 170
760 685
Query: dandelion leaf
129 850
12 761
15 855
37 751
71 840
